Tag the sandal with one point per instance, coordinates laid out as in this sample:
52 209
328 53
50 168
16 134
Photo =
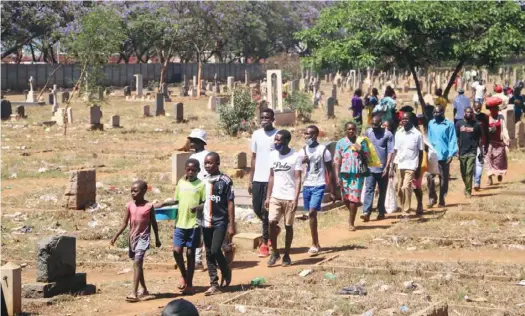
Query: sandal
212 291
142 293
313 251
132 299
188 290
182 284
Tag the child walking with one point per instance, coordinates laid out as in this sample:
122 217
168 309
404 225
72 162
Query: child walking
189 194
140 215
217 217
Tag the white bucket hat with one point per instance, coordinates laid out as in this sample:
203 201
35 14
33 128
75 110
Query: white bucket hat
198 134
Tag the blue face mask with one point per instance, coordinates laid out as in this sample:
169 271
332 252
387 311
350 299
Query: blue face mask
279 147
309 142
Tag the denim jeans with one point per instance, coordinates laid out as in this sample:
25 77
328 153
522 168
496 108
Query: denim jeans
370 184
478 170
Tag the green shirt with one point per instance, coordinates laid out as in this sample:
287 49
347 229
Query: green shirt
189 194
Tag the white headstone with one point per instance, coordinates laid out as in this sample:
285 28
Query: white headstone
274 89
139 84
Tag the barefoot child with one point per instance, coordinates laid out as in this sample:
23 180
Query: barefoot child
141 217
217 217
188 195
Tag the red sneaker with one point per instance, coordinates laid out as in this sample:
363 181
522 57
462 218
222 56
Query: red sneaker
264 251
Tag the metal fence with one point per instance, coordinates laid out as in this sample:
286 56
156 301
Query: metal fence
16 76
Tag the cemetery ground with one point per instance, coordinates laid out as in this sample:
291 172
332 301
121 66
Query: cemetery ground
470 254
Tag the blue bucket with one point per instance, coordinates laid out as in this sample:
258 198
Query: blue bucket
166 213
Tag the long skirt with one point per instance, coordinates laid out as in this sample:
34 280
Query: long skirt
496 159
352 187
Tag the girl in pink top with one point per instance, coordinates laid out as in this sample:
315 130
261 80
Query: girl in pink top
140 215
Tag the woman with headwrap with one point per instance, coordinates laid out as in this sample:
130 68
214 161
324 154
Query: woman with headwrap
496 158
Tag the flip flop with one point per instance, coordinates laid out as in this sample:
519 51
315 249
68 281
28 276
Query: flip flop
142 294
313 251
131 299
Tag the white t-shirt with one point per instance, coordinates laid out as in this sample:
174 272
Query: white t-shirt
262 144
315 171
480 90
408 144
200 157
284 167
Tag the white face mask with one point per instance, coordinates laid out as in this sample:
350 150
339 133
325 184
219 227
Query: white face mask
309 141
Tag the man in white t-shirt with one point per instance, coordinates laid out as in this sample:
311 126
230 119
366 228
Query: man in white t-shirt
479 91
408 156
262 144
197 140
319 161
284 188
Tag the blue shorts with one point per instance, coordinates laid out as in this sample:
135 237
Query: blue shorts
189 238
313 197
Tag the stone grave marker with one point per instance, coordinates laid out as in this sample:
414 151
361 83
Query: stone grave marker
193 92
65 96
12 288
194 81
95 114
184 81
127 91
520 134
508 113
31 95
212 103
178 112
100 93
6 109
20 111
159 105
334 92
56 270
69 115
81 189
178 165
329 108
246 77
275 89
209 86
230 81
59 116
115 121
55 98
50 98
219 101
146 111
164 90
241 161
138 82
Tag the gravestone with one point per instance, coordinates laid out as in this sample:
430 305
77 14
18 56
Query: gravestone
326 77
193 92
219 101
294 86
159 105
56 270
508 113
31 95
194 81
11 289
6 109
55 258
246 77
178 112
178 165
81 189
138 82
212 103
241 161
69 115
275 89
59 116
55 98
184 81
329 108
209 86
230 81
65 96
164 90
334 92
146 111
520 134
115 121
183 91
127 91
95 114
100 93
203 84
20 111
50 98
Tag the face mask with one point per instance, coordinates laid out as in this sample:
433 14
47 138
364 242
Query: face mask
309 142
279 147
408 126
439 116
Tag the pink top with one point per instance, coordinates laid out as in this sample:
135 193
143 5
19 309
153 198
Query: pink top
139 221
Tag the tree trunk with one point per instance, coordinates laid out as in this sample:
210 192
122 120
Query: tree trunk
199 73
418 87
453 78
163 73
32 52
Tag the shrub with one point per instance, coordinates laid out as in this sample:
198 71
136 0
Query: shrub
300 102
240 116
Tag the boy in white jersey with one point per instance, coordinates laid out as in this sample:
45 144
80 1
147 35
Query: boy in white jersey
284 187
319 162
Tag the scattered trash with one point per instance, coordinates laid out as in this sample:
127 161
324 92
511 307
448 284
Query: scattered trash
93 223
258 281
404 309
49 198
99 185
522 283
411 248
410 285
158 130
13 176
475 299
42 170
305 273
23 230
330 276
369 312
123 271
240 308
353 290
93 208
362 282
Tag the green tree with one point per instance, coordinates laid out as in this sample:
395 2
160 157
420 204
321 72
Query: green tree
409 35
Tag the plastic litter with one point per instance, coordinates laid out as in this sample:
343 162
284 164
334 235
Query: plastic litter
258 281
42 170
13 176
240 308
93 207
305 273
522 283
330 276
24 229
99 185
369 312
93 223
353 290
404 309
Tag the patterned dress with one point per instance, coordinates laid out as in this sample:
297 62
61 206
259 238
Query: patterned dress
349 161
